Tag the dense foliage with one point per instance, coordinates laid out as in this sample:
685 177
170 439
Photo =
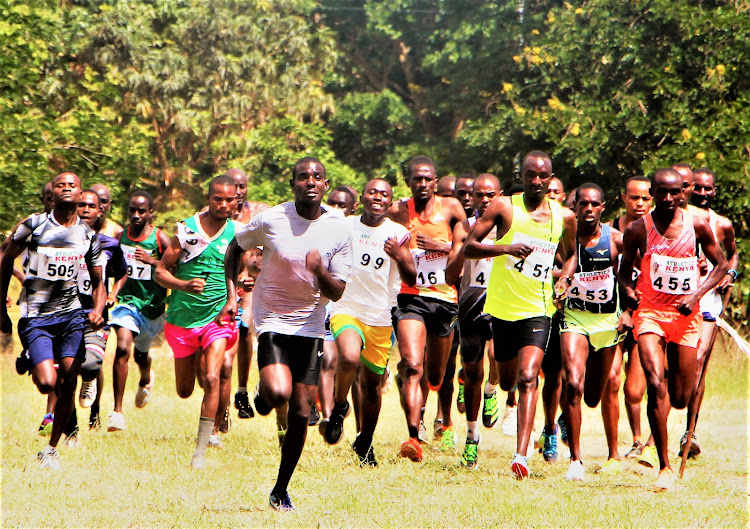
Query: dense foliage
163 94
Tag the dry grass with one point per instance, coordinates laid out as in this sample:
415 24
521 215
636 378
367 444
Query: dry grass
141 477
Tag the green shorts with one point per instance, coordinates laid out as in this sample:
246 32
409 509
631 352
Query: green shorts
601 329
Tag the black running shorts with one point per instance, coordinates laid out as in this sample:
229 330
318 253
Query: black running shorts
510 336
438 316
301 353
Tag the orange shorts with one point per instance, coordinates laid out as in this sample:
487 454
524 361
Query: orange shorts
669 324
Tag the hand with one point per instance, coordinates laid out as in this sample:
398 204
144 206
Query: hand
725 284
688 304
195 285
143 256
561 288
247 283
6 326
520 250
314 262
625 323
227 313
111 300
397 251
95 320
431 245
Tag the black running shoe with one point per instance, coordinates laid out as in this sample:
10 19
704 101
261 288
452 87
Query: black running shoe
314 415
335 427
242 403
23 363
261 406
365 453
280 502
95 421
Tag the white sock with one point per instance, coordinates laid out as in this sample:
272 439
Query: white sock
489 389
241 389
472 430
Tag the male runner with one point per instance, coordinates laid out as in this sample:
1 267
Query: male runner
105 225
637 200
198 293
556 190
666 297
307 261
427 312
474 323
593 322
52 322
712 304
446 186
361 319
139 315
531 231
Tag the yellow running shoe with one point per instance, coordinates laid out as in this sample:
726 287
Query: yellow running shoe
612 466
649 457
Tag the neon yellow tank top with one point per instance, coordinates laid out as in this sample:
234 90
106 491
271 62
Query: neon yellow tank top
523 288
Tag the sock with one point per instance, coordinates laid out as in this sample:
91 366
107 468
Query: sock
241 389
489 389
205 427
472 430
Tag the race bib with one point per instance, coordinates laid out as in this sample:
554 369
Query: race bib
538 265
137 270
674 275
58 264
480 272
84 279
594 287
430 267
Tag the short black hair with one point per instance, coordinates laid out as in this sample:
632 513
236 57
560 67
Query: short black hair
89 190
307 159
346 189
221 180
589 185
147 196
420 160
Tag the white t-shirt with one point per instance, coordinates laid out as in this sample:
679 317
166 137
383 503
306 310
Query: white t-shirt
375 281
287 298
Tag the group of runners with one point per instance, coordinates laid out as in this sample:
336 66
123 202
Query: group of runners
460 269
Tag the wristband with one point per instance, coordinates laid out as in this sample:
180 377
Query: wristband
733 273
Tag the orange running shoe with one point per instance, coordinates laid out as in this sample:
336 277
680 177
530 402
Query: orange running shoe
412 450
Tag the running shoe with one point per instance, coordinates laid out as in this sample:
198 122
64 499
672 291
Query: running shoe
365 453
280 502
215 441
143 395
649 457
448 440
666 481
72 440
563 430
116 422
490 411
548 445
95 421
45 429
422 433
48 458
612 466
411 449
695 448
87 396
282 435
469 456
261 406
242 403
460 399
635 450
520 466
437 430
510 421
335 427
575 471
314 415
198 461
23 363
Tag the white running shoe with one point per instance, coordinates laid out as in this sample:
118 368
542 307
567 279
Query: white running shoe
575 471
510 421
116 422
87 396
215 441
48 458
143 395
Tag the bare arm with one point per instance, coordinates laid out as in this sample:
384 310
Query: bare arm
232 266
456 258
6 271
634 240
733 258
714 254
499 213
404 261
330 287
164 276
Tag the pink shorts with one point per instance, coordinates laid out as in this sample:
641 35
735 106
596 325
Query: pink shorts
185 342
669 324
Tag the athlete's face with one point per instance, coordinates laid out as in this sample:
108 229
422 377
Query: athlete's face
704 190
309 183
88 208
222 200
139 212
105 198
687 184
483 191
48 202
66 189
341 200
376 198
555 190
536 174
240 181
637 198
667 191
463 193
589 206
422 181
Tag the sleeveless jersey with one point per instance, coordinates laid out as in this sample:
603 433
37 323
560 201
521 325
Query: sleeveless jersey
711 301
374 282
202 256
430 265
109 228
476 276
140 290
593 287
53 262
669 269
522 288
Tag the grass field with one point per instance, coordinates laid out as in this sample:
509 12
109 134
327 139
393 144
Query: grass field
141 476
